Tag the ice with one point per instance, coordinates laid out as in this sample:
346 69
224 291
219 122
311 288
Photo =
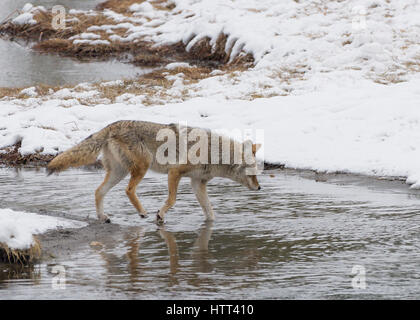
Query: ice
17 228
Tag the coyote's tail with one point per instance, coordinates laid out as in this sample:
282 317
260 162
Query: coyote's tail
84 153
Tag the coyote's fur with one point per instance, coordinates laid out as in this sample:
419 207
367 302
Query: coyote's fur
133 146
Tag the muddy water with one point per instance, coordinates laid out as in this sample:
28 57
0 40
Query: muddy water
22 67
297 238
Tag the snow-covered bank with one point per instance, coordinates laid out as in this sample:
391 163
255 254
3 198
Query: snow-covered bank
297 45
17 228
363 128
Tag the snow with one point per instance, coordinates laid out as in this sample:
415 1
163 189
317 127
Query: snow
29 92
175 65
27 13
17 228
145 6
91 42
24 18
86 35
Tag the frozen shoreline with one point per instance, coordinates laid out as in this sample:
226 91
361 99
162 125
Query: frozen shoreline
17 227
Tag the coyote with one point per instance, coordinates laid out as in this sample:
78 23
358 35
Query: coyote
135 146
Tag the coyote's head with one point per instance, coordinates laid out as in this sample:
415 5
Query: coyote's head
246 173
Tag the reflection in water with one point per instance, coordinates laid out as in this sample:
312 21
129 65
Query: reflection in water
18 271
172 249
133 245
22 67
116 263
200 251
298 239
109 250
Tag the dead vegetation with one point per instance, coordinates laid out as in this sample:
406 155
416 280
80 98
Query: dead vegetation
11 156
122 6
48 39
119 6
41 89
154 85
20 256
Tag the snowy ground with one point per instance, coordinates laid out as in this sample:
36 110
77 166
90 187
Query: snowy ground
17 228
335 87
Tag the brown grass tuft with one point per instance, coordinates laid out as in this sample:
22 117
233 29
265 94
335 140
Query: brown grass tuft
148 59
145 53
11 156
24 256
120 6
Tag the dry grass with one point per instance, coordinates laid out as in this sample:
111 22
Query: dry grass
287 74
9 92
148 59
413 65
203 51
120 6
388 78
50 40
153 85
41 89
10 156
24 256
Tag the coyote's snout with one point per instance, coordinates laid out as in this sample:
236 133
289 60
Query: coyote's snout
136 146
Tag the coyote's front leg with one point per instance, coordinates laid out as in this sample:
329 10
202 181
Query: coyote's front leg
199 187
174 177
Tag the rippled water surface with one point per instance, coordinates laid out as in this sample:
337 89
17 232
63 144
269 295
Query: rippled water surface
297 238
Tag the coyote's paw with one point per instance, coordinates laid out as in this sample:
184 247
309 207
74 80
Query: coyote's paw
104 219
159 219
143 215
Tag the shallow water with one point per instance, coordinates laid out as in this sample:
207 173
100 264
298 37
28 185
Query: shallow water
297 238
22 67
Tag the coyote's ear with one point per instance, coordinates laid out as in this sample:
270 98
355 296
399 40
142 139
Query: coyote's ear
255 148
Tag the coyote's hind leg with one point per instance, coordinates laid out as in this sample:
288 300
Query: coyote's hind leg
113 176
137 175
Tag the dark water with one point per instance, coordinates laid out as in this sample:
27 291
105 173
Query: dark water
297 238
22 67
